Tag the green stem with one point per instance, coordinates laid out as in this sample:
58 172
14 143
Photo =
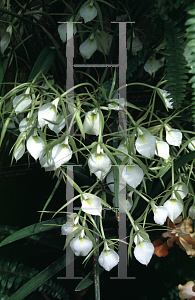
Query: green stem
116 171
96 264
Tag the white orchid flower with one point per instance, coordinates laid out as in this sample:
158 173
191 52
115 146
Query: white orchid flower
92 122
48 112
104 41
110 178
5 34
91 204
173 136
182 189
152 65
191 145
127 203
146 144
162 149
47 162
116 101
88 12
61 153
99 163
25 124
22 102
143 252
88 47
136 44
140 236
64 33
167 100
174 207
108 258
71 225
160 214
191 212
122 147
60 126
133 175
19 152
81 245
35 146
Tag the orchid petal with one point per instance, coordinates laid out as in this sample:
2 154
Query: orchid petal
59 127
88 47
173 136
81 246
5 37
19 152
61 154
133 175
140 236
167 100
143 252
174 207
122 147
160 214
146 144
108 259
35 146
136 45
99 162
116 101
62 30
47 112
152 65
47 163
162 149
191 145
25 103
127 203
91 204
182 189
88 13
110 178
92 123
71 225
191 212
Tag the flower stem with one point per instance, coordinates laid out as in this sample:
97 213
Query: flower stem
95 262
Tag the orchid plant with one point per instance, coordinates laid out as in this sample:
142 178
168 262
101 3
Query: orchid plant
148 162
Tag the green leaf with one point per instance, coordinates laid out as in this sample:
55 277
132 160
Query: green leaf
83 175
113 84
99 14
87 281
43 276
2 77
33 229
51 196
42 64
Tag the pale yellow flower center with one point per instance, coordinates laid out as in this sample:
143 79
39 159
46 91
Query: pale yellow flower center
64 147
35 138
89 201
93 116
142 138
52 108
